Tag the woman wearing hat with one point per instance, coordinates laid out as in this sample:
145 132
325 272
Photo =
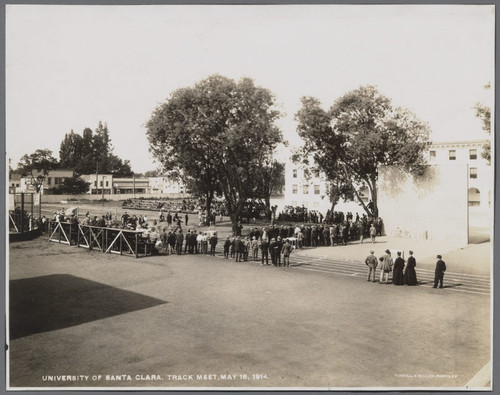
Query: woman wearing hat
397 275
386 267
410 276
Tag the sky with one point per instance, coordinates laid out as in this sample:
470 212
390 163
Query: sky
69 67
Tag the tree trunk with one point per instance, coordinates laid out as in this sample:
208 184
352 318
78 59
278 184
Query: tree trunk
268 207
208 201
374 197
235 216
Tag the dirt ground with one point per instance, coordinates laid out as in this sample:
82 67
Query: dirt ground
197 321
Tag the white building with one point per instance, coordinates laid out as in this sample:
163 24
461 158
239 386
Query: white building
53 180
303 188
480 173
309 189
165 185
98 182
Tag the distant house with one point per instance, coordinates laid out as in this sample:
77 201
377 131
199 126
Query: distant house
131 185
14 183
53 180
98 183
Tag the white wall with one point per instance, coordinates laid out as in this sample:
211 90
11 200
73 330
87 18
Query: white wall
433 206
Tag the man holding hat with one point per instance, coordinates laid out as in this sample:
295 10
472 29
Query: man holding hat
371 262
439 273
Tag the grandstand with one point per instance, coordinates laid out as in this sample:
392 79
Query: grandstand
181 205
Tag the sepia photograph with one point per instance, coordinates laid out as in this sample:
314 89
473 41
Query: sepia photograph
249 197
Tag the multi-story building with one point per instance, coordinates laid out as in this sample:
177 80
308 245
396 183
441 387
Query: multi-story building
305 188
165 185
480 175
53 180
308 189
99 183
131 185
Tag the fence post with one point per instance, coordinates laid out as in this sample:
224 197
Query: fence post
103 248
120 235
136 244
22 212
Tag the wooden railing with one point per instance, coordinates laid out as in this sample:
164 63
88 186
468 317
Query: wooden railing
107 240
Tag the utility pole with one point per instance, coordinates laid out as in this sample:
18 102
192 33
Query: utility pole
97 179
102 199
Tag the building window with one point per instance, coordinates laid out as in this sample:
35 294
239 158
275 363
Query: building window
294 173
305 189
49 180
95 183
100 183
473 154
452 154
316 189
57 180
432 154
474 197
107 183
316 173
473 172
294 189
17 185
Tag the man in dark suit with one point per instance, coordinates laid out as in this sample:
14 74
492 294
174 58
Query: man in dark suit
179 238
439 273
238 249
265 251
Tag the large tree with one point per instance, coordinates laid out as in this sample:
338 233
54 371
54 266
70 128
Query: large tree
83 153
361 132
73 186
217 135
37 166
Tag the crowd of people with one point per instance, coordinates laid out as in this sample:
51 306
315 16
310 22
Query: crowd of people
268 245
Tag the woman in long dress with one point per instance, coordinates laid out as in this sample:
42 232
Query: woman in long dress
397 275
410 276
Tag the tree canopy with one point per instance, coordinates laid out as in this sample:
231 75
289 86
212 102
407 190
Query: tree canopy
361 132
484 114
37 166
83 153
72 186
217 135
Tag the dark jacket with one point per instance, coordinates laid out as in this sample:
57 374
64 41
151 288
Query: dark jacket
440 267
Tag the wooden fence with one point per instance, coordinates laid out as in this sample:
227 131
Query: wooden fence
107 240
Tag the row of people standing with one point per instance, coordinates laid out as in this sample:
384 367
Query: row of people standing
401 274
276 249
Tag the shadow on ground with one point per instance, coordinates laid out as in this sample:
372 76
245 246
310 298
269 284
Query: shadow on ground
46 303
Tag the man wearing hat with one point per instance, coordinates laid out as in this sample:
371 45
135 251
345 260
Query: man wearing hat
213 243
371 262
386 267
439 273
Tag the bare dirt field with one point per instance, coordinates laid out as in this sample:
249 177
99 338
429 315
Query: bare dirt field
101 320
